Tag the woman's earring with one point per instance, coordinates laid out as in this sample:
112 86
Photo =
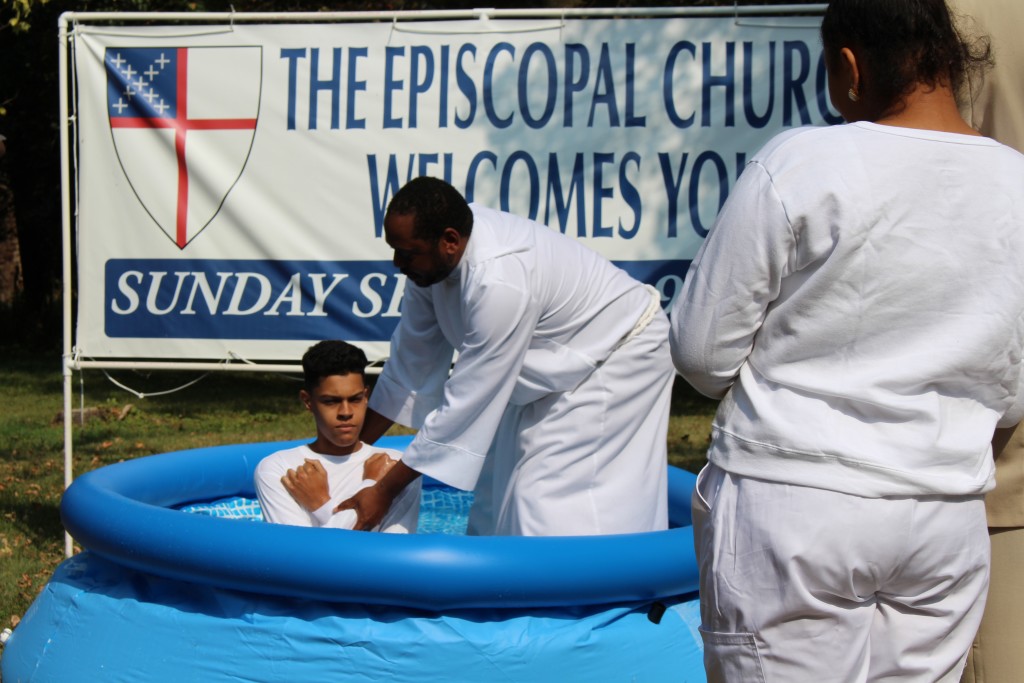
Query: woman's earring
852 94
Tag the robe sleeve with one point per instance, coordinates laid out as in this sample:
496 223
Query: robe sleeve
500 318
734 278
411 384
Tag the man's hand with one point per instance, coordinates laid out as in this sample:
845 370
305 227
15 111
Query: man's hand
370 505
307 484
377 465
373 502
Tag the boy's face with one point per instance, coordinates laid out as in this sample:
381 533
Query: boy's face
338 405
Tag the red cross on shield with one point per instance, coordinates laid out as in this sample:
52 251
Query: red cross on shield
183 120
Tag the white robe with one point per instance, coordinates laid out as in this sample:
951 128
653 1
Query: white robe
344 479
864 312
569 417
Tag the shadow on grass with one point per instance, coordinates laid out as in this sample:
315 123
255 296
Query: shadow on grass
37 522
689 431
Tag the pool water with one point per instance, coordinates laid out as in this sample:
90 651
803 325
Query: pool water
443 510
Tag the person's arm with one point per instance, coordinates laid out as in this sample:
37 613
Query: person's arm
403 513
374 426
276 504
411 384
307 484
500 318
376 466
373 470
373 502
734 278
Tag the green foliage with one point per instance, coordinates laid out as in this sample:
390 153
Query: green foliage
19 11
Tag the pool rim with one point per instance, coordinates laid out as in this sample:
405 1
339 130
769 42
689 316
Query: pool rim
123 512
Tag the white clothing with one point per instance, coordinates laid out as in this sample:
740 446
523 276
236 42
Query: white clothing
344 479
805 584
548 388
578 463
859 304
869 321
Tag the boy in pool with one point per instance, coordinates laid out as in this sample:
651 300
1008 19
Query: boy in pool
300 486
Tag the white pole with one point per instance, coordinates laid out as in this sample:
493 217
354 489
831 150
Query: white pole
186 365
65 185
495 13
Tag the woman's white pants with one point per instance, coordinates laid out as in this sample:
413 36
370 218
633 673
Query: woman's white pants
799 584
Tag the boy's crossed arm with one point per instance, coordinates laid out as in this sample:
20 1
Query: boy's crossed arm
307 483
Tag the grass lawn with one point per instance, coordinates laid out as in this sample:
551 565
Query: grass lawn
222 408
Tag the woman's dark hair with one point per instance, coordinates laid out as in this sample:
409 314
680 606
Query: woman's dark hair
902 43
331 357
435 205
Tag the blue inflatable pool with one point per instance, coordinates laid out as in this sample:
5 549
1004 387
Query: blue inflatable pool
164 595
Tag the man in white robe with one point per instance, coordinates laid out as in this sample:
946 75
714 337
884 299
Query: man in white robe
556 410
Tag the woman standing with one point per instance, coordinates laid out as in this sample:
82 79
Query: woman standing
859 308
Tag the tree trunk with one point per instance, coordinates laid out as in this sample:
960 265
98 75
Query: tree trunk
11 282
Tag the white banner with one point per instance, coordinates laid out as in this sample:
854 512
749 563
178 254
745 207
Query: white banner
233 179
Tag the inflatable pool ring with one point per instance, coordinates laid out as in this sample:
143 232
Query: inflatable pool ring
124 513
165 595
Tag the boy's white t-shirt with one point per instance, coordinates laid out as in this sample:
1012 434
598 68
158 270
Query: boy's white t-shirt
344 477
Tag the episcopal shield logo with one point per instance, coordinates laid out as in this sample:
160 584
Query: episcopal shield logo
183 120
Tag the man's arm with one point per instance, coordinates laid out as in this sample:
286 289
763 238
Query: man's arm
374 426
373 502
500 320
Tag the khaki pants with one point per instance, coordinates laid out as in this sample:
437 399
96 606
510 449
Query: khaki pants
997 655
